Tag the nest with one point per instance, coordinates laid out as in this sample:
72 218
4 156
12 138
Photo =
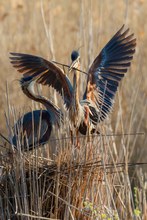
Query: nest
74 184
36 187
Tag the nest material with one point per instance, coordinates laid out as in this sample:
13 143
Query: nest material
39 187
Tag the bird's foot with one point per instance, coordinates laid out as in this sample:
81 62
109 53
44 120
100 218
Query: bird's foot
77 144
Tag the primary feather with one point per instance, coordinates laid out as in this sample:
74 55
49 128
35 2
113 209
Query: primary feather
104 76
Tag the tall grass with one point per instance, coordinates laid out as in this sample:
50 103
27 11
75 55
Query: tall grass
59 181
86 183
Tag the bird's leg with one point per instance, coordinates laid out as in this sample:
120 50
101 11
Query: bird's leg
89 143
71 135
86 120
88 133
77 139
86 115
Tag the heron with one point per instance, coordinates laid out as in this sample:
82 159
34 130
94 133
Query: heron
35 127
103 79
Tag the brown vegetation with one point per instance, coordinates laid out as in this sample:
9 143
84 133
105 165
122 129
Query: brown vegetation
69 187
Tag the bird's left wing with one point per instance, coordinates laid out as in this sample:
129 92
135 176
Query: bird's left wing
46 72
108 69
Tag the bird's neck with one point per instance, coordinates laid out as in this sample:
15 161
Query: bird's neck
75 98
76 112
29 92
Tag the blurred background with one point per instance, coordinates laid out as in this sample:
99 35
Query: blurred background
52 29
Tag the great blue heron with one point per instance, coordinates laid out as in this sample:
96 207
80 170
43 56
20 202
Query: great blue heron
104 76
34 128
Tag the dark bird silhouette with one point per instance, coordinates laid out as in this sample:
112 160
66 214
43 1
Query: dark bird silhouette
34 128
104 76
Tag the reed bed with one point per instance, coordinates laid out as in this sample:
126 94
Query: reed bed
106 177
69 182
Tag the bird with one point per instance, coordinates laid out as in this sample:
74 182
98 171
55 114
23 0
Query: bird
34 128
103 79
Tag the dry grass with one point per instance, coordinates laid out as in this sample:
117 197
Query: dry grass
73 186
86 183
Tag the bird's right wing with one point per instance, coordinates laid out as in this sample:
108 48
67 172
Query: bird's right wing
46 72
108 69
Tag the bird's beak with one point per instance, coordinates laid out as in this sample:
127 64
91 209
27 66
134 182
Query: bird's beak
74 65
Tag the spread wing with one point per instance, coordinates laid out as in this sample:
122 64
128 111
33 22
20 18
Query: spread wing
46 72
108 69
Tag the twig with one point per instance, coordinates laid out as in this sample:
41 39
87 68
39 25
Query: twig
70 205
100 135
36 217
4 138
69 67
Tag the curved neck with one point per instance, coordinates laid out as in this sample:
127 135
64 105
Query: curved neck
29 92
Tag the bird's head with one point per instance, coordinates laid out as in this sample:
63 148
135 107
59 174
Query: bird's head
24 81
75 58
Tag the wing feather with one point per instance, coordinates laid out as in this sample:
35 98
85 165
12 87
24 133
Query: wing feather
45 72
108 69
